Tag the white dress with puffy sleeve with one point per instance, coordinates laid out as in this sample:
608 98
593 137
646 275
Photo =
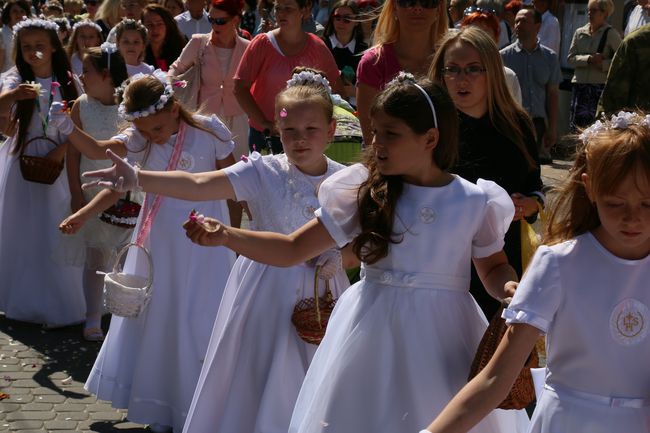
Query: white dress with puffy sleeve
150 364
401 341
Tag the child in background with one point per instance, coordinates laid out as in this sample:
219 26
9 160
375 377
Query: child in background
253 330
85 34
96 113
150 364
131 39
588 292
34 287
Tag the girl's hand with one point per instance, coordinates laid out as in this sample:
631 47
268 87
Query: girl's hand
73 223
120 177
207 232
25 91
60 119
524 206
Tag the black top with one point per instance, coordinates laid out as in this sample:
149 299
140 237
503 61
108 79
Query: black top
346 60
487 154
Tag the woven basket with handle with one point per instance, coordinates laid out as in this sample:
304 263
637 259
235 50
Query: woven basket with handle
310 315
38 168
523 391
127 295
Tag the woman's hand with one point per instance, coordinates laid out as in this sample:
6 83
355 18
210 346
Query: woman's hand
120 177
73 223
205 231
524 206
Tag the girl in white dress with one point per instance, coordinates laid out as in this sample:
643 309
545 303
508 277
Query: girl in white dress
85 34
151 364
97 242
256 362
131 37
35 288
400 342
588 292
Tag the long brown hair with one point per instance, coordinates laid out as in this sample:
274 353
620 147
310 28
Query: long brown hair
607 158
505 113
379 194
61 70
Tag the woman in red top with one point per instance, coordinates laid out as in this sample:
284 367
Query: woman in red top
267 64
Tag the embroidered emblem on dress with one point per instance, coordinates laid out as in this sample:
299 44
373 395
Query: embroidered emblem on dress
628 323
427 215
185 162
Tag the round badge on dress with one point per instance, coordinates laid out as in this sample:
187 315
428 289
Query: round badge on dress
185 162
628 323
427 215
308 212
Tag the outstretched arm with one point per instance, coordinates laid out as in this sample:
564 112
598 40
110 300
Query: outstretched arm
274 249
102 201
211 185
491 386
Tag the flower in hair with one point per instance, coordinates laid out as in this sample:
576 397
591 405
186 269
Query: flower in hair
308 77
37 87
621 120
402 77
38 23
86 23
152 109
180 84
108 47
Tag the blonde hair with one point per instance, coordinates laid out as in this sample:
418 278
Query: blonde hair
607 158
606 6
387 30
309 91
109 12
506 115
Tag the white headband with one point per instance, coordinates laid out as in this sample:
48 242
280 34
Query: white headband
43 24
109 49
87 24
308 77
406 77
622 120
152 109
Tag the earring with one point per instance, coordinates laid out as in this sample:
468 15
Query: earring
395 17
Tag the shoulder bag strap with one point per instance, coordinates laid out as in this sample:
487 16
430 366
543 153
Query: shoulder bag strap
603 40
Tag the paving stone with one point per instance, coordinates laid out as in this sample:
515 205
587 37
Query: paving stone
60 425
31 415
70 407
26 425
24 383
99 407
50 398
72 416
107 416
37 406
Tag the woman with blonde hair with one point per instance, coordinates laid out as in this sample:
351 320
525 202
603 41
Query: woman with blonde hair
497 139
591 52
404 40
108 15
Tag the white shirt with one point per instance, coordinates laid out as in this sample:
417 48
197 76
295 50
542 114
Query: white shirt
638 17
337 44
549 32
189 26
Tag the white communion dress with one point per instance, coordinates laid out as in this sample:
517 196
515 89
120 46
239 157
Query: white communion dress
256 362
150 364
595 310
401 341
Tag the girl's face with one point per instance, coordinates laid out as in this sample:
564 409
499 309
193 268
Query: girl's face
87 37
33 42
95 82
131 46
288 13
305 133
399 151
465 79
159 127
156 27
625 217
174 7
343 21
16 14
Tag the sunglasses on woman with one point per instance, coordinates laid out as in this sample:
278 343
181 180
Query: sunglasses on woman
426 4
219 21
470 10
344 18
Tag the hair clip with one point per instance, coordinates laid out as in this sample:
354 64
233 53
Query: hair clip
283 113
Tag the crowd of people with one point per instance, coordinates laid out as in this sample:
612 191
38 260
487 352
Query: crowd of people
143 135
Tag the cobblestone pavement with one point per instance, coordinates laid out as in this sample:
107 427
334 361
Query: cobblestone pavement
43 372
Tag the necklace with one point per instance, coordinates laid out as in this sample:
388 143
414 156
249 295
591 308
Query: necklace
46 120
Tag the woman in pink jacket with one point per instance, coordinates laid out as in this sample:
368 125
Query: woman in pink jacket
220 52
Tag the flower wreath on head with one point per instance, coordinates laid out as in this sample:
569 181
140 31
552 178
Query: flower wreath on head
622 120
35 22
86 23
152 109
308 77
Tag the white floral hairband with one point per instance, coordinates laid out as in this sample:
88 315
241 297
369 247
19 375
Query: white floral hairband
407 77
622 120
108 48
86 23
152 109
308 77
36 22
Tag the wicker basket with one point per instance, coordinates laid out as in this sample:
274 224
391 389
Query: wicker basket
40 169
124 213
127 295
523 391
310 315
